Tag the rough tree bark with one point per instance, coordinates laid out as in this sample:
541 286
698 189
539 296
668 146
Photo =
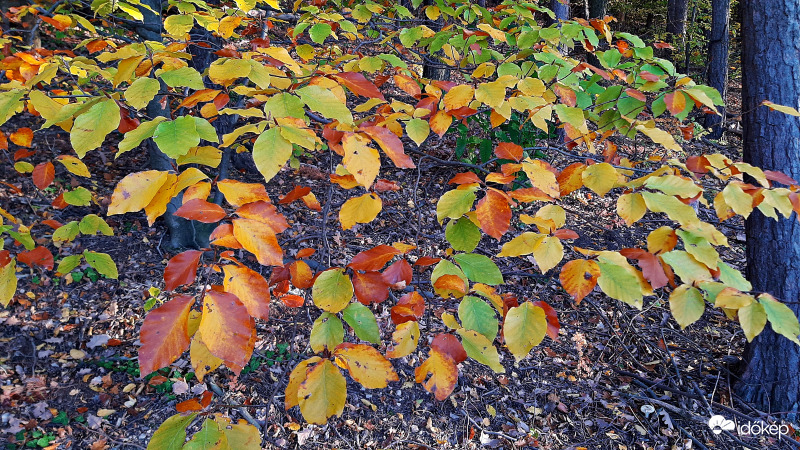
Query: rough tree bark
677 11
770 61
561 9
597 8
718 61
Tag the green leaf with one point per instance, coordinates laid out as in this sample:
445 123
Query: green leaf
178 25
142 91
102 263
93 223
66 232
363 322
524 328
209 437
205 130
687 305
418 130
171 434
573 116
326 103
319 32
135 137
80 196
481 349
68 264
781 317
270 152
183 77
454 204
90 128
445 267
332 290
619 281
10 101
479 268
476 314
327 333
733 277
175 138
284 105
463 234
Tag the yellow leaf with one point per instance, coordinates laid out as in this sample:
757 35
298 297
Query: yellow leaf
660 136
361 209
8 282
541 178
600 178
687 305
524 328
296 378
753 318
136 191
738 200
524 244
781 108
365 364
631 207
75 166
458 97
323 393
405 339
361 160
491 94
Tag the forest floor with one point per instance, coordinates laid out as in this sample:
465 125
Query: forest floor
616 378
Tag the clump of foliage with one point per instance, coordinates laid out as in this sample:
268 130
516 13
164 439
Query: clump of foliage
319 93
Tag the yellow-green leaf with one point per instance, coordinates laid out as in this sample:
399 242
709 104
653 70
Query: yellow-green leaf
270 152
687 305
323 393
332 290
90 128
524 328
600 178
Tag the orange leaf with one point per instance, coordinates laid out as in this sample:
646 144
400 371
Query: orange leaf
440 123
295 194
425 261
258 240
508 150
390 144
164 334
565 234
651 266
370 287
443 374
201 211
223 236
676 102
302 276
39 256
570 179
265 213
305 253
227 329
22 137
238 193
579 277
293 301
464 178
250 287
494 213
357 83
408 85
43 174
181 269
311 202
386 186
552 319
373 259
409 307
204 95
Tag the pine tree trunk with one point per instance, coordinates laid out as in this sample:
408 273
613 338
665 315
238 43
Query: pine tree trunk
718 61
771 56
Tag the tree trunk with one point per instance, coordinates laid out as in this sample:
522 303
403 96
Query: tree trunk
434 70
718 61
770 57
677 11
597 8
561 9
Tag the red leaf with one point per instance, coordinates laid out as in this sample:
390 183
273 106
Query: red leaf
164 334
449 345
651 266
399 274
201 211
565 234
385 186
293 301
40 256
425 261
43 174
181 269
638 95
357 83
780 177
552 319
370 287
373 259
409 307
508 150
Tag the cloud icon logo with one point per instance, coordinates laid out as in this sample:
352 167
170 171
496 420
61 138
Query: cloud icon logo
719 423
